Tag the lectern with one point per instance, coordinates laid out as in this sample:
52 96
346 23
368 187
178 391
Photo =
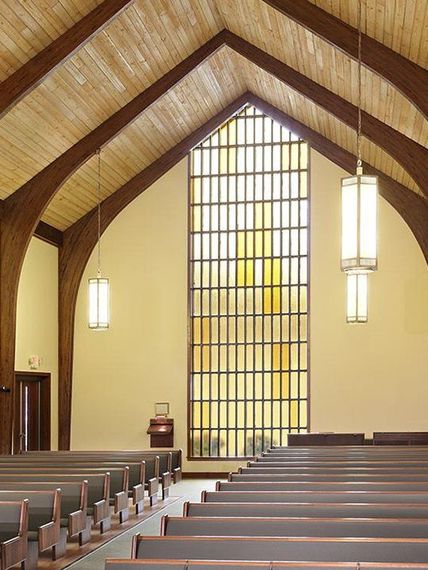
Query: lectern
161 431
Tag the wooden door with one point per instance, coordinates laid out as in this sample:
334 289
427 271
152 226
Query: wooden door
32 412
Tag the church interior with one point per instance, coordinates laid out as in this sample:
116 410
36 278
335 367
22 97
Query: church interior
213 284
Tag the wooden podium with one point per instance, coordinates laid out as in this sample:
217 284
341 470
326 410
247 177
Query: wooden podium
161 431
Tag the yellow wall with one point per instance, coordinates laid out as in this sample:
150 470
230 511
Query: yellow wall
37 317
363 377
374 376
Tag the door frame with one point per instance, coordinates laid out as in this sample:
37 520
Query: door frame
45 406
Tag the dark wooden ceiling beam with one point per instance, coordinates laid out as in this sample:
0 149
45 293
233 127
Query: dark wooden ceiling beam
408 77
49 234
23 209
79 242
32 73
410 155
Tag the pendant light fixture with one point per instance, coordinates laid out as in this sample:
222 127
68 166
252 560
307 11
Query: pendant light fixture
359 204
99 287
357 298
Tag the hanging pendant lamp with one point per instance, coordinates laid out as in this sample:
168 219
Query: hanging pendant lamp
99 287
359 205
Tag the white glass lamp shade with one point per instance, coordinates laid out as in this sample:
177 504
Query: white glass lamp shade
359 223
357 298
99 303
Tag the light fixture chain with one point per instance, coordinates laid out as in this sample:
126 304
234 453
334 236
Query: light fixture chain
99 214
359 160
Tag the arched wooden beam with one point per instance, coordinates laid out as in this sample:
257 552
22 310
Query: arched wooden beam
412 156
32 73
81 238
406 76
23 210
79 241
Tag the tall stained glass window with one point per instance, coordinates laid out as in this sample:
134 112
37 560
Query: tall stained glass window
248 286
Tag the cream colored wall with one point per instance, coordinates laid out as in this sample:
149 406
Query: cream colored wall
363 377
37 318
370 377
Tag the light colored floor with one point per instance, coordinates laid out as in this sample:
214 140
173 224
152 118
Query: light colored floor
120 547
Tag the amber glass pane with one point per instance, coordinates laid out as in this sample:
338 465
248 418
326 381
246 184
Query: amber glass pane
248 287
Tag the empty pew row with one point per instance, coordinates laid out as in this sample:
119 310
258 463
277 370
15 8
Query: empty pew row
174 564
13 533
293 526
44 522
170 461
307 510
74 502
97 498
281 467
137 475
240 496
297 486
118 485
255 548
312 462
249 474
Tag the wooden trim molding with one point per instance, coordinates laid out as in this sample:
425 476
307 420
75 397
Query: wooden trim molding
408 77
80 239
411 155
79 242
32 73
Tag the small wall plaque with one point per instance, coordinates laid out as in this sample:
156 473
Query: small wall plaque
162 409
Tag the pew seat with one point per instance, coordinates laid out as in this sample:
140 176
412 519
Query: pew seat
314 497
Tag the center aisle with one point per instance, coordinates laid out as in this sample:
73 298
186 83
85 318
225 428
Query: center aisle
120 547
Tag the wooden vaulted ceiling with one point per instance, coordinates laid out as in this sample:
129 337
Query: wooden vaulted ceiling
151 37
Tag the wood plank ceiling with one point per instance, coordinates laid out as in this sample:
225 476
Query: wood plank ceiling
150 38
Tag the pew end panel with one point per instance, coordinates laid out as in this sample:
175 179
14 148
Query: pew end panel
101 509
138 490
153 489
14 550
186 507
121 499
166 484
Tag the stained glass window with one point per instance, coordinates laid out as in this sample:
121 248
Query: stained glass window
248 286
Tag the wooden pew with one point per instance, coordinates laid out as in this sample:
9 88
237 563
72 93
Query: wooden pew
13 533
74 502
314 497
279 474
174 564
141 472
327 439
317 510
333 462
98 491
281 549
293 526
119 480
392 486
281 467
169 461
44 520
400 438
